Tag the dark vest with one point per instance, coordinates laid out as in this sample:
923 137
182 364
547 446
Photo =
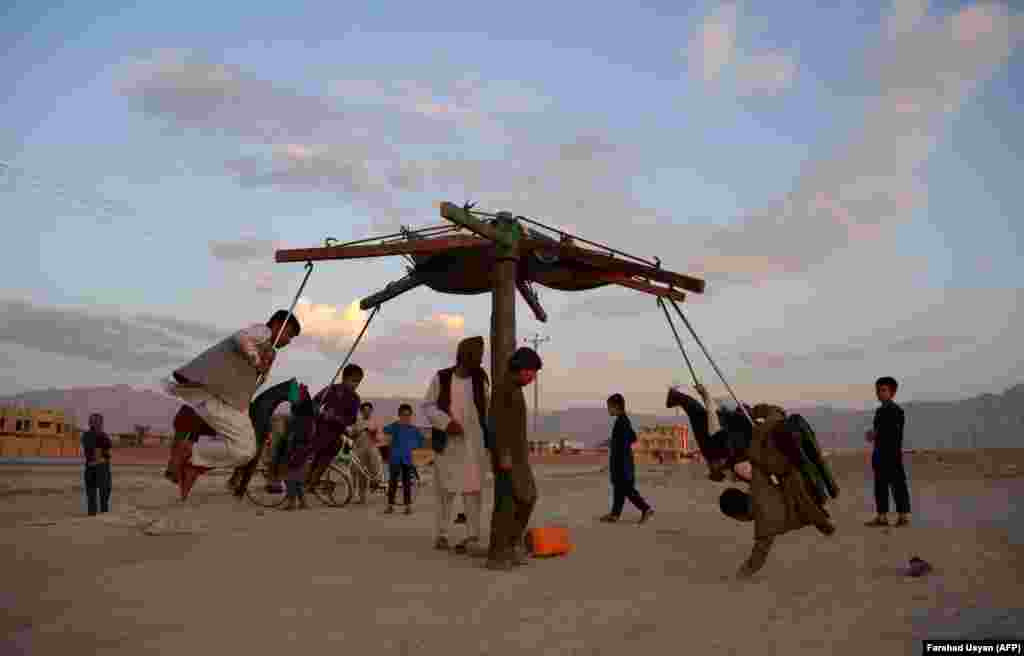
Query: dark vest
439 439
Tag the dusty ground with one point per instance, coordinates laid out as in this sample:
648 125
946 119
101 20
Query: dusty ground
267 582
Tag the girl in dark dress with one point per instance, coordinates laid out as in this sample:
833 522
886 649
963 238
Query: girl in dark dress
620 464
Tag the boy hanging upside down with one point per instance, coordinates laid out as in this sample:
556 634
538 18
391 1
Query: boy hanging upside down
780 498
216 388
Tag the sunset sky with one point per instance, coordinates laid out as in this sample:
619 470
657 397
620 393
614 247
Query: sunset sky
846 176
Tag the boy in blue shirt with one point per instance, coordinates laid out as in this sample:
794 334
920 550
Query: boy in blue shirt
404 438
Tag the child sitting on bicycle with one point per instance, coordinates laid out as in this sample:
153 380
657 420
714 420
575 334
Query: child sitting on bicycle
404 438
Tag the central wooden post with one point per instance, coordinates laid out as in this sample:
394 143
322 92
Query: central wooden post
503 299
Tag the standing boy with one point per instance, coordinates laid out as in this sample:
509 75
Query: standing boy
404 438
301 432
366 429
216 388
96 446
620 464
887 455
338 406
515 490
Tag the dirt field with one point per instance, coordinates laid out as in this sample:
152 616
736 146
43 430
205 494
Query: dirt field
219 576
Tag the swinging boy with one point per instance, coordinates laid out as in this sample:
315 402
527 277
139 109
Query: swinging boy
215 389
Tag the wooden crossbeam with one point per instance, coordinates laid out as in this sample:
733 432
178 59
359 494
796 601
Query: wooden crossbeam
625 280
532 300
619 265
429 246
397 288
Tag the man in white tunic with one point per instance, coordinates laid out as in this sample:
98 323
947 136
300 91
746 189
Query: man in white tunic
456 405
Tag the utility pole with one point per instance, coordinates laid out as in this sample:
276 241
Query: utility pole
536 341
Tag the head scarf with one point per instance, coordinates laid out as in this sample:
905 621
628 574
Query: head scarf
470 352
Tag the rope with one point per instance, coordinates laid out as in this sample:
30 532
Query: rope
291 310
358 338
742 408
679 342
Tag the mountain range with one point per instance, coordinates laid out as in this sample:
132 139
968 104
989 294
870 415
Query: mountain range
986 421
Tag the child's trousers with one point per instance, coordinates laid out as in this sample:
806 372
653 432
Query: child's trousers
405 472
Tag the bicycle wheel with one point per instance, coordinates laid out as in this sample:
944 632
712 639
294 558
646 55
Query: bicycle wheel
334 488
264 491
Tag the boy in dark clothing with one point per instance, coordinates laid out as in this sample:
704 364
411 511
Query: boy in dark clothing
96 446
620 464
515 490
780 498
887 455
404 438
338 410
301 433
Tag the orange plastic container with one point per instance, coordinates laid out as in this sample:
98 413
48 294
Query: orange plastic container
548 541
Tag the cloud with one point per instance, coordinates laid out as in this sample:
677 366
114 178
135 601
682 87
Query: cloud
873 183
712 52
904 16
714 44
765 73
918 344
931 344
109 340
192 329
385 348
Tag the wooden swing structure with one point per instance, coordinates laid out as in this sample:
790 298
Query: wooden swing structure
477 252
503 254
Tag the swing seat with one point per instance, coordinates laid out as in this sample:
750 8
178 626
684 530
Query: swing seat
548 541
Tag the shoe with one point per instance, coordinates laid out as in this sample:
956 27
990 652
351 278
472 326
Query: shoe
609 518
826 528
461 518
646 515
441 544
289 504
390 510
918 567
877 521
466 545
408 510
903 521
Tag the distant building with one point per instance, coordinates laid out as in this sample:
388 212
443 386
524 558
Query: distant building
662 443
32 432
34 422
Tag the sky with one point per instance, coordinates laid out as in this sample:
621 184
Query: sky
845 177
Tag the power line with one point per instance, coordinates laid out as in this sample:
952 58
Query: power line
14 178
536 341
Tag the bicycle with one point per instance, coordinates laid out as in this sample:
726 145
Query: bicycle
334 488
377 484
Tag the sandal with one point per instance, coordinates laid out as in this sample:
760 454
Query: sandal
877 521
609 518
